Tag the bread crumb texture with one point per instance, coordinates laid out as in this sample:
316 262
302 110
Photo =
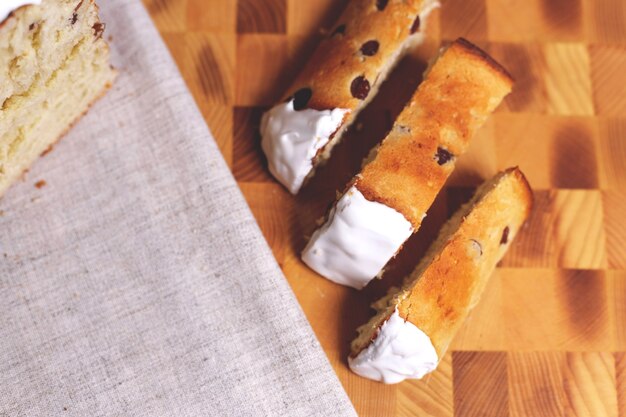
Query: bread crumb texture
53 64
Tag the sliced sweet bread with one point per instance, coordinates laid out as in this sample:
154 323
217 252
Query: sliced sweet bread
415 325
54 63
387 201
338 81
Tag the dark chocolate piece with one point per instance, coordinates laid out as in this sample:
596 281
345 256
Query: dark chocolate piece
360 87
341 29
301 98
416 25
505 236
370 48
443 156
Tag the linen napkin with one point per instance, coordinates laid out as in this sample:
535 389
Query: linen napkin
136 282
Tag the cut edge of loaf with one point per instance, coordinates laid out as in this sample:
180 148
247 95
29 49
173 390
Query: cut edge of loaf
53 107
454 223
484 56
48 144
389 174
386 306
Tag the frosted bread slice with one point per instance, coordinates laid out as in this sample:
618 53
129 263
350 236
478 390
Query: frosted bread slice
338 81
387 201
54 63
415 325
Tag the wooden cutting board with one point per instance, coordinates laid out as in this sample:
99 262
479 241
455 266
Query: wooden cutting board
549 336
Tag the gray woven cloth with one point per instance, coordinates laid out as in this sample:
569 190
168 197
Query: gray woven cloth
137 283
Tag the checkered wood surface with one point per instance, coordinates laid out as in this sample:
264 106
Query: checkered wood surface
549 336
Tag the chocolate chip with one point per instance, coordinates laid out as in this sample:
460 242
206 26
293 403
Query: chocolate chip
416 25
301 98
369 48
74 19
31 26
341 29
381 4
98 29
505 236
443 155
360 87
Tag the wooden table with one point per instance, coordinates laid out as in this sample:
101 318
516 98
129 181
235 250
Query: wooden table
549 336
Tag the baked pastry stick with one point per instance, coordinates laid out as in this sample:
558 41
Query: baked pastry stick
54 63
338 81
415 325
386 202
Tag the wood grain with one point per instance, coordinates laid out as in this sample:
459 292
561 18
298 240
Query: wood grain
590 385
609 92
549 336
613 152
620 376
608 18
465 18
478 384
218 16
568 79
536 384
617 307
261 16
572 314
432 397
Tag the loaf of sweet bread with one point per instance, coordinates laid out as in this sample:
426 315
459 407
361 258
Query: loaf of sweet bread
54 63
338 81
387 201
415 324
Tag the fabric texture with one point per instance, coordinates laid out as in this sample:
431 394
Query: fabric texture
136 282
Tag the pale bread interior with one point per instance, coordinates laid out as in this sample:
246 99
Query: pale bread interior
55 63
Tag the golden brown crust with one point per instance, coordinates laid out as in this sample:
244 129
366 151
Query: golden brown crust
338 60
449 280
526 191
414 161
471 48
440 295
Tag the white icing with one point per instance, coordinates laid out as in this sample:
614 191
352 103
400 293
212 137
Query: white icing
357 241
400 351
291 139
7 6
